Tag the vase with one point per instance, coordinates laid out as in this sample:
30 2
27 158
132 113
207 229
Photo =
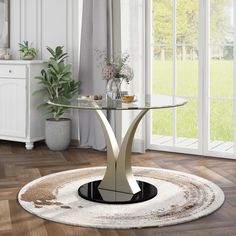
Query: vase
113 89
28 57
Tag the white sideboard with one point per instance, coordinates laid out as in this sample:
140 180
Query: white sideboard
19 118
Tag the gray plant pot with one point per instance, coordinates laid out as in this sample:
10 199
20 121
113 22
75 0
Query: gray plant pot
28 57
58 134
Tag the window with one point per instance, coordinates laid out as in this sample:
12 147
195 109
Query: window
192 52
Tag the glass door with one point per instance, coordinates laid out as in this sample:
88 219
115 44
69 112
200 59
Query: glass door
221 77
192 50
175 72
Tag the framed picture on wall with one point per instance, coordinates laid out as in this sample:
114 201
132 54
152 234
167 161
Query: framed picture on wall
4 23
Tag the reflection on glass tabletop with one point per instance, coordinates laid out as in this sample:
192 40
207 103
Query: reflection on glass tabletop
141 103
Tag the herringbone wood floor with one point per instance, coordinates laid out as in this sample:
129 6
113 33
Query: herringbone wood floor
18 167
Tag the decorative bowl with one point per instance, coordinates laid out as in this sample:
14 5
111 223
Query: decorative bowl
128 98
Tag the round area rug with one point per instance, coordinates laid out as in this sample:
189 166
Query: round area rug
181 198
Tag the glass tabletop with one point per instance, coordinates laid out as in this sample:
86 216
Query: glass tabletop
141 103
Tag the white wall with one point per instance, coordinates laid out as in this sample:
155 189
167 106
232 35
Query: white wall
47 23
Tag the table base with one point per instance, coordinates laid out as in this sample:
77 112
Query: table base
91 192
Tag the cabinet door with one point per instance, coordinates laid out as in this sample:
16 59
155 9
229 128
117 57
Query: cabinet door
13 107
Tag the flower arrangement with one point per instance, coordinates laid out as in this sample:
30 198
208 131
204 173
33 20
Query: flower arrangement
115 70
116 67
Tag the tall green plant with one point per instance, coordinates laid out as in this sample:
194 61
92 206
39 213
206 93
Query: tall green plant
56 83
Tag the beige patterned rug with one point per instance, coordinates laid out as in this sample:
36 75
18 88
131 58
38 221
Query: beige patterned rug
181 198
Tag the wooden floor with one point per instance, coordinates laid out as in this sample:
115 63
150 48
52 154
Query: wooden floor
18 167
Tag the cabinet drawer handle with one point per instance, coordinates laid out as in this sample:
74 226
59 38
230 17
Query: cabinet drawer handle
10 71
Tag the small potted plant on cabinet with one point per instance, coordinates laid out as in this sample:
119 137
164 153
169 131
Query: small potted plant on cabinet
27 52
58 87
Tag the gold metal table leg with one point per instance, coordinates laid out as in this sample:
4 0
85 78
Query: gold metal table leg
119 176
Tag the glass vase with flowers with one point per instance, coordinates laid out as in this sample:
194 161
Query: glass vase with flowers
115 70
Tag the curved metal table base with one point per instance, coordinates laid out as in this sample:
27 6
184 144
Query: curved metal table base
118 176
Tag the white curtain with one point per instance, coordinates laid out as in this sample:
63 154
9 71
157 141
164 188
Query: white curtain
98 33
93 37
133 42
112 26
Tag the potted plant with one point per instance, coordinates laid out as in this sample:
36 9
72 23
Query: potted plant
57 86
27 52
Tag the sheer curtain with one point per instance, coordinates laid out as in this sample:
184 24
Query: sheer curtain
93 37
112 26
133 42
100 31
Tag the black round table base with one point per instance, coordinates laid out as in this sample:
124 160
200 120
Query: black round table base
91 192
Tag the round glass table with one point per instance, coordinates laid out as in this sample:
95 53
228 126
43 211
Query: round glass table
119 185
